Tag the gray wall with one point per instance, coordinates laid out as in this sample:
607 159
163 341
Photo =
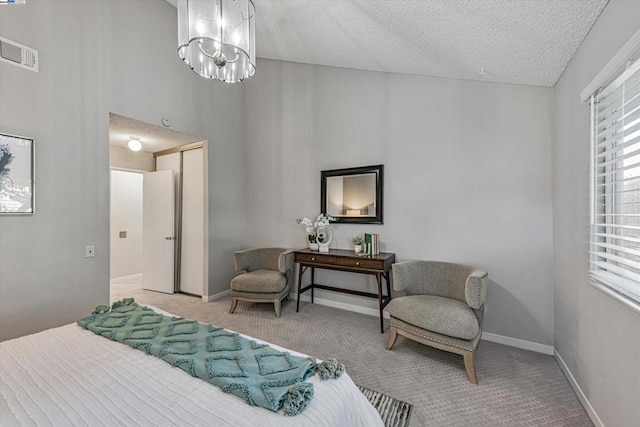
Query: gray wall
467 175
123 158
98 57
597 337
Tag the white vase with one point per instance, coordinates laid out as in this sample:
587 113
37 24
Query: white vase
324 238
357 248
313 246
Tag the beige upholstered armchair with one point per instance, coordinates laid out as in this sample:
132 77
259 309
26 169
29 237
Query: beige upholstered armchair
266 276
443 308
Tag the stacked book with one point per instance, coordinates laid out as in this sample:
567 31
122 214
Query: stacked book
371 244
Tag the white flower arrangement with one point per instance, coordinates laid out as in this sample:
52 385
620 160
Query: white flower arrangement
312 227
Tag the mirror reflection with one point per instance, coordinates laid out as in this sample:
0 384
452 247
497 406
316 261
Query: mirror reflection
352 195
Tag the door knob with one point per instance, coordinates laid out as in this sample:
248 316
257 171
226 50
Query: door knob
169 237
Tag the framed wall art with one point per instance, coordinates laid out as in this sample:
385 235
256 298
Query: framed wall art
17 170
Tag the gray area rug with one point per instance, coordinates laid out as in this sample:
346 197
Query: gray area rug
394 412
515 387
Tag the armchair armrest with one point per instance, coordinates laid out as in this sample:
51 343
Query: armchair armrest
285 261
475 289
405 273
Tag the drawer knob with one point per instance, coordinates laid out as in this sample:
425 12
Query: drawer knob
313 258
357 263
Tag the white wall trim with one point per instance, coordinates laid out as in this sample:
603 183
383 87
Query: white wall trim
209 298
121 279
616 63
595 419
518 343
500 339
116 168
341 305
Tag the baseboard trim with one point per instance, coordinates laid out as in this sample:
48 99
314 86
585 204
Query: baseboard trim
595 419
121 279
341 305
518 343
500 339
209 298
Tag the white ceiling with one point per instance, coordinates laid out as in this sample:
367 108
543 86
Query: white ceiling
153 138
526 42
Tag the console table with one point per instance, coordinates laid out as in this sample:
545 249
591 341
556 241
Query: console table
343 260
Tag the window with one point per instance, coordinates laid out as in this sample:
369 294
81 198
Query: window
615 196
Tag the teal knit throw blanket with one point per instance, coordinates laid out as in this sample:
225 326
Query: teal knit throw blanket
255 372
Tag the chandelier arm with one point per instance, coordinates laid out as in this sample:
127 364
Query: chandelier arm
231 61
218 52
206 53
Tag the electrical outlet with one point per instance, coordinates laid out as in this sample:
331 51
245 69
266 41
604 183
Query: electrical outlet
89 251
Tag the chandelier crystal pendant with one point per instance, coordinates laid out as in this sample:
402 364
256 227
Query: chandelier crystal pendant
216 38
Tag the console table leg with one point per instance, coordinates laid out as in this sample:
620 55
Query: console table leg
300 272
379 280
313 281
388 277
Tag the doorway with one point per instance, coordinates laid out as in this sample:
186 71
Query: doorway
135 262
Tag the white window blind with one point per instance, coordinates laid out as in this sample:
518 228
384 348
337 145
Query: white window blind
615 170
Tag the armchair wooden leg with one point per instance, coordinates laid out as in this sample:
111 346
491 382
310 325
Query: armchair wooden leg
471 370
393 335
234 303
276 304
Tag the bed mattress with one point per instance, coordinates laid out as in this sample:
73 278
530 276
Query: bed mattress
68 376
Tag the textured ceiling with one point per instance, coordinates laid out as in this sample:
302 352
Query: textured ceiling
153 138
516 41
526 42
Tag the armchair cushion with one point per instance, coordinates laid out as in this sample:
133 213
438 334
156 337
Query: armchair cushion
259 281
438 314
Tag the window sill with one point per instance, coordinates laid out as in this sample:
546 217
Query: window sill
633 305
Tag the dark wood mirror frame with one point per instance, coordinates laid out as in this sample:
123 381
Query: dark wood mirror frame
377 170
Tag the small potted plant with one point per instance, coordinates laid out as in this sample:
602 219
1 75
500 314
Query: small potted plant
357 241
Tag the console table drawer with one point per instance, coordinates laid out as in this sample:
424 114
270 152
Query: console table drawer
361 263
320 259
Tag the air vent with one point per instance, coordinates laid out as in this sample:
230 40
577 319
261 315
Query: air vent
18 54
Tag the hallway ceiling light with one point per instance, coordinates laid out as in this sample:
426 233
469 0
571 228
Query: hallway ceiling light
134 145
216 38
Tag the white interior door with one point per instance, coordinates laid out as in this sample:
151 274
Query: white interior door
158 231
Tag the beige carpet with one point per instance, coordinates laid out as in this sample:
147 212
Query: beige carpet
516 387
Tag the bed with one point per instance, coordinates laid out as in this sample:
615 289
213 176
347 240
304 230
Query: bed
68 376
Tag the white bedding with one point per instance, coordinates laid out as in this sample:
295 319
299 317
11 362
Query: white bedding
69 376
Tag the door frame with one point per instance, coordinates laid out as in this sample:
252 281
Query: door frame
205 252
204 144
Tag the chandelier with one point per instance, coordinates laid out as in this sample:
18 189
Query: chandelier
216 38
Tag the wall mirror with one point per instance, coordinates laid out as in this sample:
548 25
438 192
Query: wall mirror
352 195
